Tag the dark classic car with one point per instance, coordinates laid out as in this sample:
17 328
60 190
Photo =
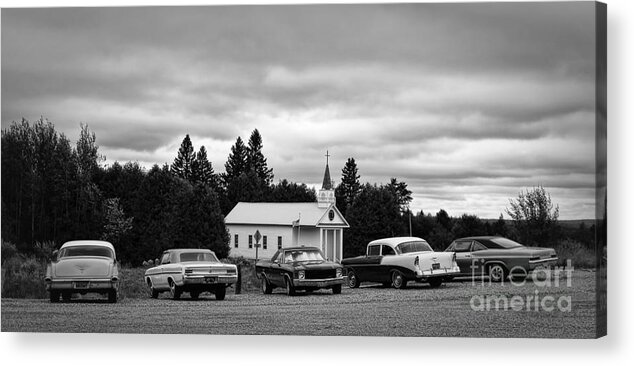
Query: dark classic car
190 270
299 268
83 266
499 257
394 261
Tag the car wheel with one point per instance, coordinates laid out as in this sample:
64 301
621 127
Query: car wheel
153 293
112 296
497 272
66 296
220 293
175 291
435 282
398 281
54 296
290 289
194 294
353 280
336 289
266 286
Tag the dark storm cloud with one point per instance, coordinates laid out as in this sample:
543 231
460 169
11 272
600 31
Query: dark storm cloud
461 101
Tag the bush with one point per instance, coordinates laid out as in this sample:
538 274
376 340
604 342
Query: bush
577 253
23 277
246 267
132 283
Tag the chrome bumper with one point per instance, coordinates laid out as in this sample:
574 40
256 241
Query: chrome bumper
441 272
209 279
325 282
546 262
82 285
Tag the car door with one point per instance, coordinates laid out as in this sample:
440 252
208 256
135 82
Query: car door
462 248
478 252
372 269
275 271
161 275
383 273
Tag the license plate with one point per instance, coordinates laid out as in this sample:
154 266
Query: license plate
435 266
210 280
81 284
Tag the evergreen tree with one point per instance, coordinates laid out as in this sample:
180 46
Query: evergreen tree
401 193
237 162
202 170
182 165
349 187
256 160
286 191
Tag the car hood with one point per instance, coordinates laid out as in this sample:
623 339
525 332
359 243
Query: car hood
315 265
83 267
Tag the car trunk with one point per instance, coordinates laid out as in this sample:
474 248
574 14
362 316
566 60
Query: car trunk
80 267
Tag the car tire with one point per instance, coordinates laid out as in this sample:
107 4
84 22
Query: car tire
497 272
54 296
175 291
398 280
66 295
153 293
220 293
435 282
194 294
112 296
353 280
267 289
336 289
290 289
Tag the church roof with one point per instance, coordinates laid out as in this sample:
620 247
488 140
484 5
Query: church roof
277 213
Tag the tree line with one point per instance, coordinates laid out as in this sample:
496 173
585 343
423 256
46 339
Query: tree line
55 191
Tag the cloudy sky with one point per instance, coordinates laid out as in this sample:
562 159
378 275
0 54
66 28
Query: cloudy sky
467 103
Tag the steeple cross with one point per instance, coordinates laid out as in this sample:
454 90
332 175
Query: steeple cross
327 156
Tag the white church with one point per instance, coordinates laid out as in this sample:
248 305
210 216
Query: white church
288 224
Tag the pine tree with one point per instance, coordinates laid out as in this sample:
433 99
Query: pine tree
182 166
237 162
349 187
202 170
256 160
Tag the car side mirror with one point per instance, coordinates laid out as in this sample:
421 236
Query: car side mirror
54 255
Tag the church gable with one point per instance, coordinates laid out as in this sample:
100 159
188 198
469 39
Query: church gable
332 217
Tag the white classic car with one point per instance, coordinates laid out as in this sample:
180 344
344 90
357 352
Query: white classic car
394 261
83 266
190 270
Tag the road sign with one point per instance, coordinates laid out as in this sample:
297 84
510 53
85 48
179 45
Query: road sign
257 237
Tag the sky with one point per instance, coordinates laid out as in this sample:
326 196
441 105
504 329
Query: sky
469 104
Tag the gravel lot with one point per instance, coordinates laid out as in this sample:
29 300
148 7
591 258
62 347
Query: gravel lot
367 311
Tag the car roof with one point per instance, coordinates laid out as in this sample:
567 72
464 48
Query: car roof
488 237
396 240
188 250
296 248
75 243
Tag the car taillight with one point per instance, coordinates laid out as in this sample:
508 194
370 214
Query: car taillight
454 257
416 261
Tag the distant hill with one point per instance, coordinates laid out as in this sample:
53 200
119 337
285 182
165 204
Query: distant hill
569 224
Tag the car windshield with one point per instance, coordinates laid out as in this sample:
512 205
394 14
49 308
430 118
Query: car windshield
198 257
302 256
413 246
506 243
86 251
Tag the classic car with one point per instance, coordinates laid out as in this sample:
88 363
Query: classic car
299 268
83 266
395 261
190 270
498 257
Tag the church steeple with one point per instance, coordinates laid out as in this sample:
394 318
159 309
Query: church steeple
327 184
326 196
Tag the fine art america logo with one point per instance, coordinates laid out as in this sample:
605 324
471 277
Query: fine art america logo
529 301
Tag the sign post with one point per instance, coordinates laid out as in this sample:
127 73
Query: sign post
257 237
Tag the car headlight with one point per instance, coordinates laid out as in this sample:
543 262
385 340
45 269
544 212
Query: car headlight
301 275
339 272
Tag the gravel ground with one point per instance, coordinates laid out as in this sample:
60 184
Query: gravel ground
367 311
